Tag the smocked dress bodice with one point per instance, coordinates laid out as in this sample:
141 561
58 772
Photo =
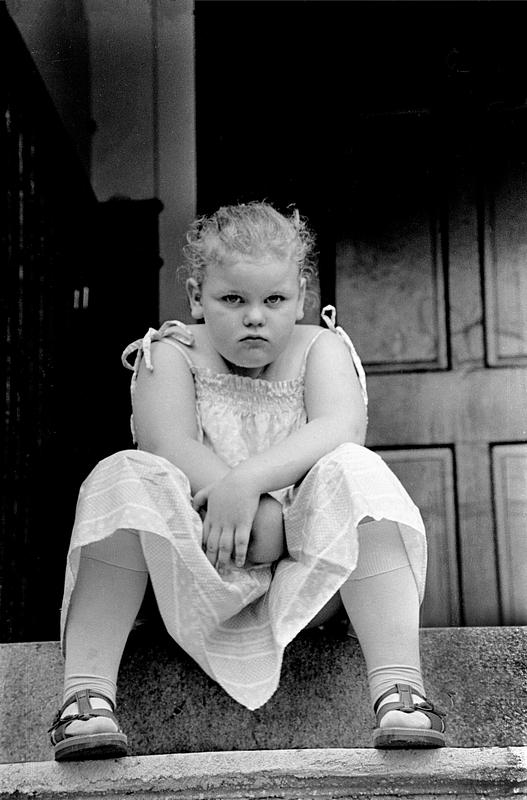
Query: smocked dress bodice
239 417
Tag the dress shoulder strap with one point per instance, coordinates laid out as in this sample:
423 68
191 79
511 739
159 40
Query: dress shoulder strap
308 350
171 332
329 315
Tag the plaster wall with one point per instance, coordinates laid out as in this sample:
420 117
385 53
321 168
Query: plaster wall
142 74
121 74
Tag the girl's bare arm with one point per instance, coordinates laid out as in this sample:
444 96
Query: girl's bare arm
335 411
164 408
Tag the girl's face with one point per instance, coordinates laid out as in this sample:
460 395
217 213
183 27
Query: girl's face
250 307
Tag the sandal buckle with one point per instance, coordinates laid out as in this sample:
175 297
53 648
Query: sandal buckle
405 697
425 706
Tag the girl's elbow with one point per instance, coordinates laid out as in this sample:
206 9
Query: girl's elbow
144 440
149 442
354 431
357 435
360 426
148 446
361 438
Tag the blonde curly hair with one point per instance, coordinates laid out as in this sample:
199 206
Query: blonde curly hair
255 230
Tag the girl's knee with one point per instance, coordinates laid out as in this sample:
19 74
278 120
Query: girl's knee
121 549
345 456
267 542
381 549
144 459
264 551
265 546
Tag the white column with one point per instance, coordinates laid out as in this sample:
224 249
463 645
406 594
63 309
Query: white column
177 153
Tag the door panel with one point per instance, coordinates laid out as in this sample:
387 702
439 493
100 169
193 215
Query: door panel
506 239
462 237
389 279
509 464
436 317
429 477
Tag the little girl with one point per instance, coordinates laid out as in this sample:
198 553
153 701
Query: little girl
251 501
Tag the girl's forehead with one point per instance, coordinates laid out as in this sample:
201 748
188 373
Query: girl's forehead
253 270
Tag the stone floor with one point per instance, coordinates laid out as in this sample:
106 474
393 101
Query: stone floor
167 705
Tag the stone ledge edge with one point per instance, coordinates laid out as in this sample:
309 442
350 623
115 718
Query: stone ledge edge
490 772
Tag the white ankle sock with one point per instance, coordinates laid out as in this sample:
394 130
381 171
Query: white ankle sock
381 679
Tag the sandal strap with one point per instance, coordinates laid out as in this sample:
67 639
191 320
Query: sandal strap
407 706
82 698
85 711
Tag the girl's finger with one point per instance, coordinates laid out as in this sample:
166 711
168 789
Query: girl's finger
211 549
241 543
225 546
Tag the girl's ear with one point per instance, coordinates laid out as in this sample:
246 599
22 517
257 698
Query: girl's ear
301 300
194 296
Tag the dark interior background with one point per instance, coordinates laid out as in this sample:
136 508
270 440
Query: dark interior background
285 91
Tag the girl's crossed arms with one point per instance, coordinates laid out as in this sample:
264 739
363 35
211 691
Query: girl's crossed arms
242 520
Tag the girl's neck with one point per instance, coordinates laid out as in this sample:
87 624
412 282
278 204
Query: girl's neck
246 372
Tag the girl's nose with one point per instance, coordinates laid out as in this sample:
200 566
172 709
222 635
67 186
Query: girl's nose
253 316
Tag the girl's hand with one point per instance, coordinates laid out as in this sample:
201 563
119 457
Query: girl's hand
231 508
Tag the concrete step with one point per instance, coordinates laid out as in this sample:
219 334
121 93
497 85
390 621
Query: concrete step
492 773
167 705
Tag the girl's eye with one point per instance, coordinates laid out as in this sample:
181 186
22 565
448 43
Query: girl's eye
275 299
232 299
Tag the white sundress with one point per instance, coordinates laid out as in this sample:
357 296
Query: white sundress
236 626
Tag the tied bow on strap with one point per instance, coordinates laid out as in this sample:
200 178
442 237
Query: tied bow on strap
173 327
329 315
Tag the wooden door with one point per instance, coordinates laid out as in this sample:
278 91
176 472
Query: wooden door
431 282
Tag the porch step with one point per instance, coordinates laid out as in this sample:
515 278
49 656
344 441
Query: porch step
167 704
492 773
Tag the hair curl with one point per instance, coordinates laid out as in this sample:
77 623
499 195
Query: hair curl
254 230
